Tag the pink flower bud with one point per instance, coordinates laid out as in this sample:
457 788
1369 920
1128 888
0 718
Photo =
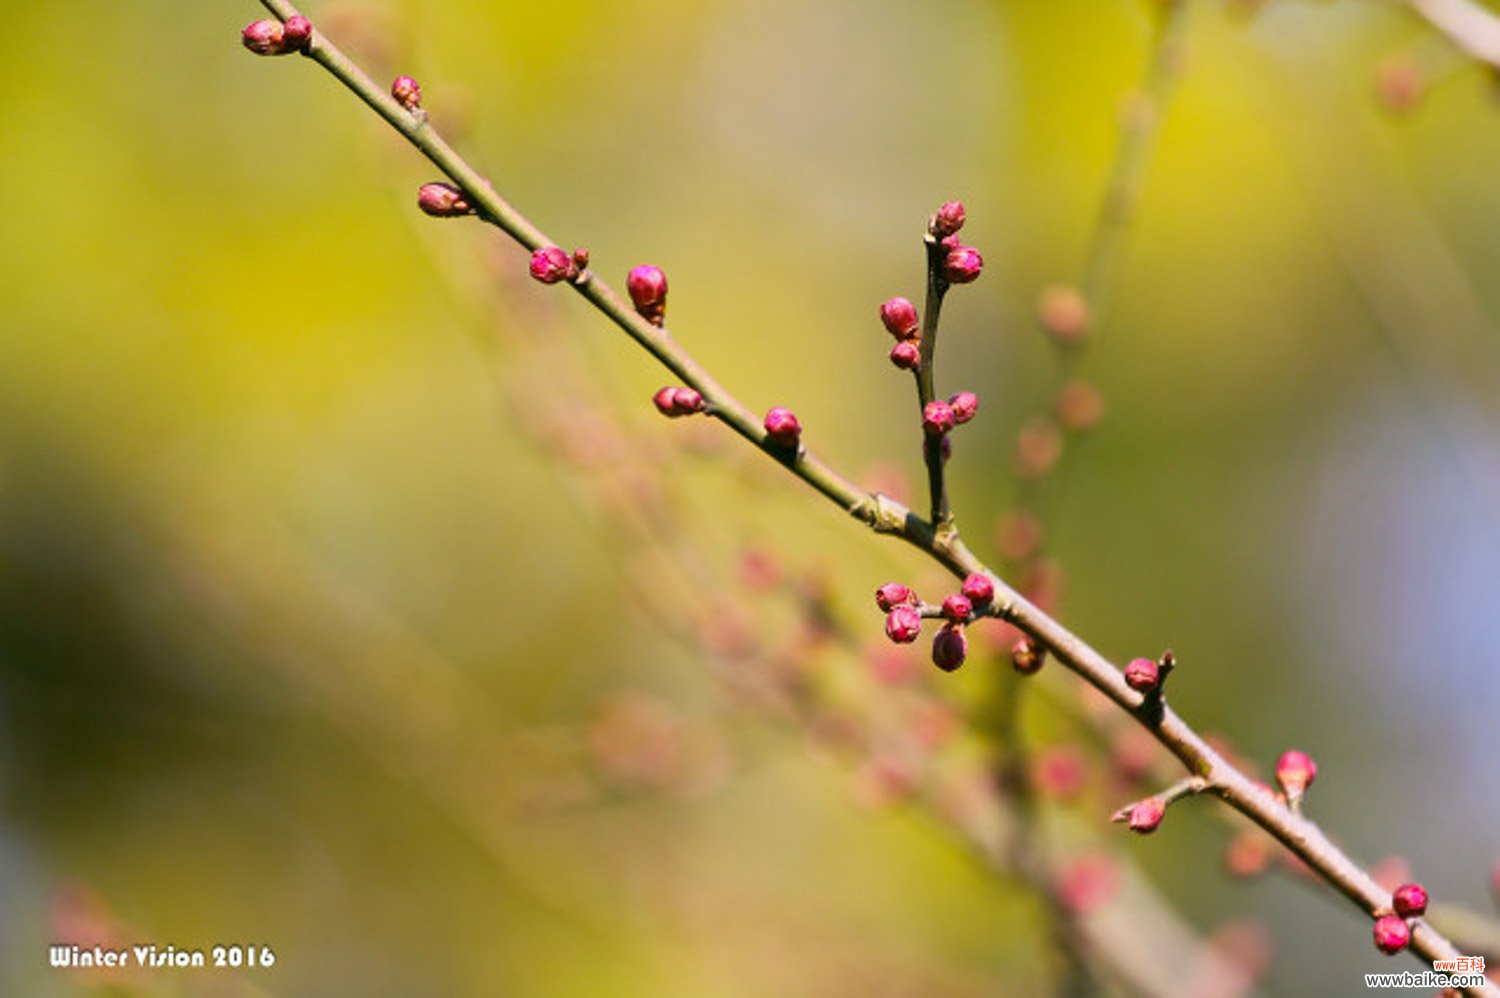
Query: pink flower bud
964 405
1145 815
687 400
1295 771
782 427
906 355
948 220
962 265
1063 313
666 401
957 608
264 37
648 292
937 418
296 33
892 595
979 589
442 201
1409 900
949 648
551 264
1391 934
1027 657
673 402
407 93
903 624
900 318
1142 675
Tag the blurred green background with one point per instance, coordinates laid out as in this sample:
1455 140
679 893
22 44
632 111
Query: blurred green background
356 604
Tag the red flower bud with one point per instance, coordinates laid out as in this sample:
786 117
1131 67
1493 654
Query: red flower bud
551 264
949 648
900 318
407 93
903 624
264 37
648 292
442 201
948 220
1145 815
964 405
962 265
937 418
957 608
979 589
674 402
687 400
1295 771
1142 675
892 595
1409 900
296 33
666 401
782 427
1391 934
906 355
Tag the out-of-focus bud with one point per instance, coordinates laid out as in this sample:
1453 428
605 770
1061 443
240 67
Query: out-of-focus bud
1063 313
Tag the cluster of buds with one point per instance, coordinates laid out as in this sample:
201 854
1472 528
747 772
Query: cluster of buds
939 417
648 293
673 402
1393 925
270 37
899 317
904 612
961 264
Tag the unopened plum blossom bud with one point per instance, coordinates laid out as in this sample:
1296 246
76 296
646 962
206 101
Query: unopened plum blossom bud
1295 771
296 33
407 93
892 595
979 589
443 201
899 317
1142 675
962 265
687 400
937 418
957 608
1409 900
947 220
782 427
964 405
666 401
906 355
264 37
903 624
1145 815
648 292
551 264
1391 934
950 646
1079 406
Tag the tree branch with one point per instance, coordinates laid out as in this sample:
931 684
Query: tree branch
884 515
